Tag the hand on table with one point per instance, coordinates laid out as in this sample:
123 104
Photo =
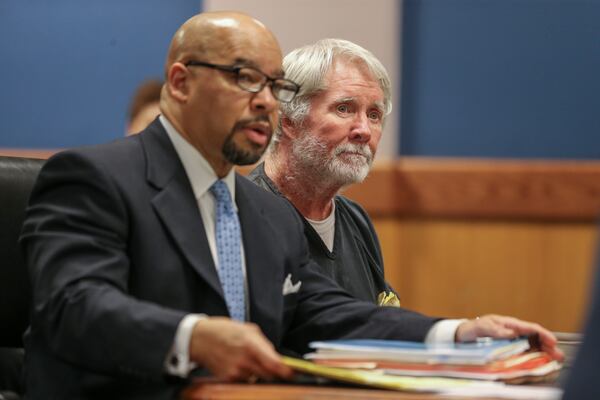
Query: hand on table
502 327
235 351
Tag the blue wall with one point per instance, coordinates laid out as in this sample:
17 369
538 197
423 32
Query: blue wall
501 78
69 67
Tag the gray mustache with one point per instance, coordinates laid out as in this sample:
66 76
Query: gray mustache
364 150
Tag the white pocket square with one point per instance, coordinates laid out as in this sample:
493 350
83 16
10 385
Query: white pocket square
289 287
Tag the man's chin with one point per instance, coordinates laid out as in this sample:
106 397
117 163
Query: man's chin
239 150
247 161
242 157
350 173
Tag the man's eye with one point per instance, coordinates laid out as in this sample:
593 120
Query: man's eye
374 115
248 77
343 108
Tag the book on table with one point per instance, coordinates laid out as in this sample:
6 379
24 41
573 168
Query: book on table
486 360
377 379
520 368
428 384
473 353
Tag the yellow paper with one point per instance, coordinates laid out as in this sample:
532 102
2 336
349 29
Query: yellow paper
380 380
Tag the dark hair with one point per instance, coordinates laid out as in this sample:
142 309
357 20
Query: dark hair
147 92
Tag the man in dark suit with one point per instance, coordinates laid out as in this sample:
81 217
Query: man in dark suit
150 257
582 383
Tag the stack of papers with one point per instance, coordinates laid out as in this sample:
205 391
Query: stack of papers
476 353
380 380
463 388
488 360
516 369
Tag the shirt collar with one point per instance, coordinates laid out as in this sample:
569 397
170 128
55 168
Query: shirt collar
199 172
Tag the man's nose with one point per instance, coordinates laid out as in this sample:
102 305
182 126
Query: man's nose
361 129
264 100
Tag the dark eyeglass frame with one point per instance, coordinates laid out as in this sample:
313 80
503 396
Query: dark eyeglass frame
276 84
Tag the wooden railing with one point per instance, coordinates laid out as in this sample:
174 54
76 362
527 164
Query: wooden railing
496 189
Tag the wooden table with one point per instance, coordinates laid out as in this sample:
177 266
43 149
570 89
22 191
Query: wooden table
232 391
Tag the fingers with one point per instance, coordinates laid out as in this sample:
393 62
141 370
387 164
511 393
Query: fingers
527 328
546 338
554 352
495 326
235 351
268 364
486 326
503 327
266 361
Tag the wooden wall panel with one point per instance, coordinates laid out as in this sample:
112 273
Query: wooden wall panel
464 237
478 188
536 271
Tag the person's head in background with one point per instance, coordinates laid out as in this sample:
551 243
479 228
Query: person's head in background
330 132
144 107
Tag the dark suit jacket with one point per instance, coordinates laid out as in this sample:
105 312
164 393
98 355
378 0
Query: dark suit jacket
117 255
583 377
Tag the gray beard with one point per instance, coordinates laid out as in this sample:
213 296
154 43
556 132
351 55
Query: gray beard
312 159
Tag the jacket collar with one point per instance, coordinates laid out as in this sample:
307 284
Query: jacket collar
175 203
176 206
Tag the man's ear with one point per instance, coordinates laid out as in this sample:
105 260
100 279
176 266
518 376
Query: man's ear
178 82
289 128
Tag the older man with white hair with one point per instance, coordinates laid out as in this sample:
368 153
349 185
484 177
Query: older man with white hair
326 139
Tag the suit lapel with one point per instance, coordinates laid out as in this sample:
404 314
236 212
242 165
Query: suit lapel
266 300
176 205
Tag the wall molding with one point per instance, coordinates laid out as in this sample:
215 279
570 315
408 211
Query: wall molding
29 153
554 190
482 188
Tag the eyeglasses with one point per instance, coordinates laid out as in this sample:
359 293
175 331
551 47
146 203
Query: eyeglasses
252 80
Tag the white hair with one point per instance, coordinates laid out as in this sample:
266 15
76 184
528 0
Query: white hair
308 66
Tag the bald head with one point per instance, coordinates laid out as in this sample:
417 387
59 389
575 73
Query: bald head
206 98
211 33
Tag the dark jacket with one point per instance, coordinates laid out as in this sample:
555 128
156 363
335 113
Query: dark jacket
355 261
117 255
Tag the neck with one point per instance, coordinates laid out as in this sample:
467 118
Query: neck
221 168
312 198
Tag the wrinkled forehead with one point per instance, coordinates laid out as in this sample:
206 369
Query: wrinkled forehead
349 80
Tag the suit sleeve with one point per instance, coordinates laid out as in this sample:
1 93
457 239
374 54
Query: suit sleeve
324 311
74 241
